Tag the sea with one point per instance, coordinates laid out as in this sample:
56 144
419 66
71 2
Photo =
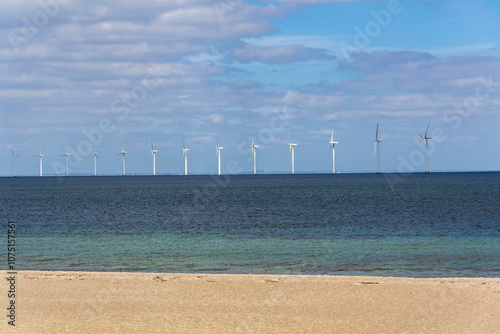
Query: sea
410 225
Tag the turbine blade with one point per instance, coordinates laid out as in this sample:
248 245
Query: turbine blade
375 149
427 129
376 133
183 146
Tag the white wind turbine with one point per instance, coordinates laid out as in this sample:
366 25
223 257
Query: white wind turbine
332 145
67 154
292 149
41 157
14 163
94 153
254 151
153 152
123 152
218 156
376 150
185 153
426 149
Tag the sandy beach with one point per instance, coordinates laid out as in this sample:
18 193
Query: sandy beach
94 302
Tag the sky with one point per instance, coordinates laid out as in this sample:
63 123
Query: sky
130 72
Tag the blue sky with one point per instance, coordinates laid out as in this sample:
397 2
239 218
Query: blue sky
75 72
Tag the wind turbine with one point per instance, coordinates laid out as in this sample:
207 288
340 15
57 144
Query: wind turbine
292 149
95 160
376 150
332 145
123 152
218 155
185 153
14 157
153 152
254 151
67 159
426 149
41 157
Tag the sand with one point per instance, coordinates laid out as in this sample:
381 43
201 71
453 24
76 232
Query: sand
92 302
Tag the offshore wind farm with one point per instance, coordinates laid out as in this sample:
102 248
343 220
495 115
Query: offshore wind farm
292 146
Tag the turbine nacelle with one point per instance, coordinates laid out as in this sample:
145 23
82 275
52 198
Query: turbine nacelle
67 154
426 138
14 155
254 146
332 142
153 150
94 152
184 148
427 130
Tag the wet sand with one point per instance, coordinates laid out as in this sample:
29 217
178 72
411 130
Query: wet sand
94 302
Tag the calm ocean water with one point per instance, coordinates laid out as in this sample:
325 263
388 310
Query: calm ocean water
442 224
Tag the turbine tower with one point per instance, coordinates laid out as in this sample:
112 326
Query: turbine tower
67 159
123 152
292 149
218 156
376 150
332 145
426 149
14 157
185 153
95 160
153 152
41 157
254 151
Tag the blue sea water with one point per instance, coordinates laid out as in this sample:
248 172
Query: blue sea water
442 224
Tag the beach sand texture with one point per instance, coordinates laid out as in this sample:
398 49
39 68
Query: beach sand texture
95 302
